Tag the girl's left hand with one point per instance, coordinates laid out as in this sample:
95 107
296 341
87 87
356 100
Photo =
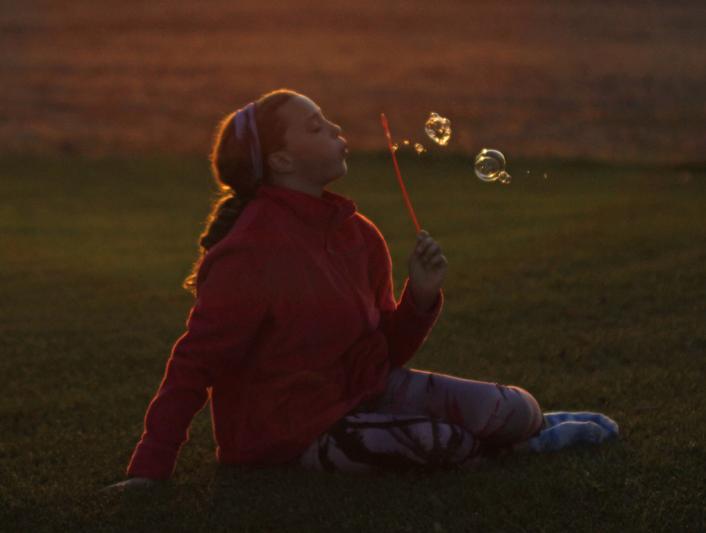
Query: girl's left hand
427 270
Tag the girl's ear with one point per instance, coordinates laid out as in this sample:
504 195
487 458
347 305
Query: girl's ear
281 162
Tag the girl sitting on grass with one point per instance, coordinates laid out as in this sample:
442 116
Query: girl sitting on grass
295 335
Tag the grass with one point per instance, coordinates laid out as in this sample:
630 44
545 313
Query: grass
586 288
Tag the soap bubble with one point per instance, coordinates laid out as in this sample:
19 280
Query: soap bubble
490 166
418 147
438 129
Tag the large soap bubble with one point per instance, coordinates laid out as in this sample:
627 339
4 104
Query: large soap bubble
438 129
490 166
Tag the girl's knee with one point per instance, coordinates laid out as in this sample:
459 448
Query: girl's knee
532 412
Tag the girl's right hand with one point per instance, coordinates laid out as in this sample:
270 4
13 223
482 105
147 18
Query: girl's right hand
129 484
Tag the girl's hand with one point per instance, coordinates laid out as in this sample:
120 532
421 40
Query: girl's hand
129 484
427 270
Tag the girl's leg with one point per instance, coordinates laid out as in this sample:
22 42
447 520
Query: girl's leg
363 441
499 415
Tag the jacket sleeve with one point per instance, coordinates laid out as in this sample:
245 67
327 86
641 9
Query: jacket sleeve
405 326
220 329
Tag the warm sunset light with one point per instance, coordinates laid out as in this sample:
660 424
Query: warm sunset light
215 317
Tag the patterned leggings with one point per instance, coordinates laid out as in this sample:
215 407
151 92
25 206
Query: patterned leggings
426 419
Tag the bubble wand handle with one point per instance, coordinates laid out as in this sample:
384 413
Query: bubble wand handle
386 127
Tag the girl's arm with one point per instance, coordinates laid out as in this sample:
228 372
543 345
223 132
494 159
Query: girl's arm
405 325
220 329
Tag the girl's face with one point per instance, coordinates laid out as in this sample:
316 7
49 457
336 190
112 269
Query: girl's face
314 149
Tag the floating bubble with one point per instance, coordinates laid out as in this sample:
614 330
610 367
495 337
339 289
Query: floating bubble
438 129
546 175
490 166
418 147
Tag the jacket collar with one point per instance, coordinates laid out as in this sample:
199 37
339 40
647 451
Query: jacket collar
329 210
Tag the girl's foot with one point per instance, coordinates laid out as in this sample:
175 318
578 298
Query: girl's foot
610 426
564 435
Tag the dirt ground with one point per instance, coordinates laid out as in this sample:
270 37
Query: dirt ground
614 81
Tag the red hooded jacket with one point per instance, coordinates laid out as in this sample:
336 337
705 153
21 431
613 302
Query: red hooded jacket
295 323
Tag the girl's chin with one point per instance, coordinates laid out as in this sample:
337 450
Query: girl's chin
341 171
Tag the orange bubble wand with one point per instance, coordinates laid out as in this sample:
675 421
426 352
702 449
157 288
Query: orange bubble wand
386 127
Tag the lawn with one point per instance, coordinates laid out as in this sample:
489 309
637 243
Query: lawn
586 287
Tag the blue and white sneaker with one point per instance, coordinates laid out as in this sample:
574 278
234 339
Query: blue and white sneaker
608 424
565 429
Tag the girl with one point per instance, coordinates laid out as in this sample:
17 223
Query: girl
295 335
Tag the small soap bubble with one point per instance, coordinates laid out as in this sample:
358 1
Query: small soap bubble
395 147
406 142
419 148
438 129
490 166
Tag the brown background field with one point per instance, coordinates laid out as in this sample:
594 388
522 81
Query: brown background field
606 80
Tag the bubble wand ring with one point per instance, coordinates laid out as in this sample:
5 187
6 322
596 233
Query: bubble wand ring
386 127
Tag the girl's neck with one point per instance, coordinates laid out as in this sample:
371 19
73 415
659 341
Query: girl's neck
292 181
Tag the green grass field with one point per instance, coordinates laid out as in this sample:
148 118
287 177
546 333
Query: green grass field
587 288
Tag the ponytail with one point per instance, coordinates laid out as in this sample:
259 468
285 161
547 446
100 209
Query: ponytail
225 213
